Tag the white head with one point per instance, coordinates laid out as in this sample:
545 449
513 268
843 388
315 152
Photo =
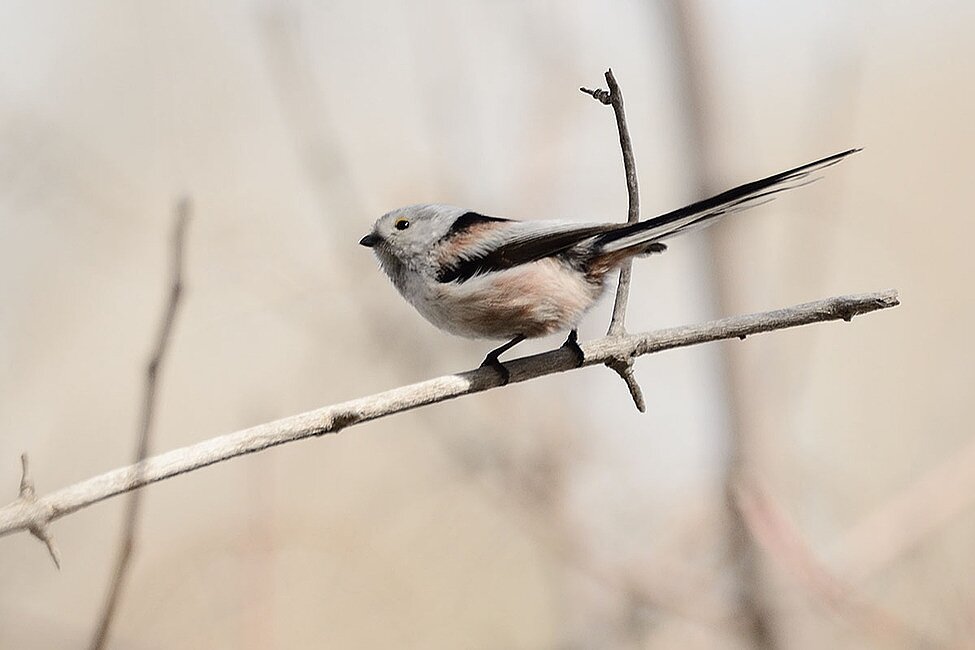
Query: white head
406 238
407 233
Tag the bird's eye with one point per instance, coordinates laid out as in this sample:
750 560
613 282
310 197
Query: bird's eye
402 224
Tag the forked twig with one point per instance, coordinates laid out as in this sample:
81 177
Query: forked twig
617 327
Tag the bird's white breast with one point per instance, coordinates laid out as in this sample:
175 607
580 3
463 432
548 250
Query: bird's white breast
534 299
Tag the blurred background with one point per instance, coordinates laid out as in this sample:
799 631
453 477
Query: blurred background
803 489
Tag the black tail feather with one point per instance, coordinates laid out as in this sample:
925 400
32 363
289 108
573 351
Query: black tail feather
733 200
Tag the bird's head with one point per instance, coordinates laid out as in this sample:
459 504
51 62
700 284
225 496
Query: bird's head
407 236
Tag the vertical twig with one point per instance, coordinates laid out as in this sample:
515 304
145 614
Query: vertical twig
617 326
614 97
133 506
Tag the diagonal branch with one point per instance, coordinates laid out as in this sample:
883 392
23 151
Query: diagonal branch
770 526
134 505
21 515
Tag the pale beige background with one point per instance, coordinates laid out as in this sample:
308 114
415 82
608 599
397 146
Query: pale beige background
547 515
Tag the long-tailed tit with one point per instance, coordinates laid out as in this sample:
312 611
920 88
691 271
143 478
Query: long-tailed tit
493 278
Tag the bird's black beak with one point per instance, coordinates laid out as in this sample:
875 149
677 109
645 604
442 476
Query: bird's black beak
369 240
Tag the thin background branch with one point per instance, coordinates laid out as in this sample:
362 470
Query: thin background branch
144 438
778 535
22 514
691 73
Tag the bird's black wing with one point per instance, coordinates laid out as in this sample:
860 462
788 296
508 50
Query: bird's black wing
499 247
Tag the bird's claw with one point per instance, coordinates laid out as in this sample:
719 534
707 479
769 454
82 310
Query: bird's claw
491 361
572 343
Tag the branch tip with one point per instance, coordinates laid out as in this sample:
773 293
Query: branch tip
849 307
600 95
624 368
184 209
26 482
41 532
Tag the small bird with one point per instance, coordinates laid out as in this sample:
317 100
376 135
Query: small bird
494 278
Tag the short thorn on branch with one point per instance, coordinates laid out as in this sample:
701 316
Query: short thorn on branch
38 524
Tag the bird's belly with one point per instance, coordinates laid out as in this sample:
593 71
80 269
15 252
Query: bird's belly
534 299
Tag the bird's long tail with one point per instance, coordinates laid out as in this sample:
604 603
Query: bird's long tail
706 212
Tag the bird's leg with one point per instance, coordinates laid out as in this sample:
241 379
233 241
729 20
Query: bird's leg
572 343
492 358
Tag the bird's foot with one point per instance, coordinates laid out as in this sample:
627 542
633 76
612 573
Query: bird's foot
572 343
491 361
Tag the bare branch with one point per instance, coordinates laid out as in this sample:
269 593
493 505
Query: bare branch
332 419
614 97
133 507
617 326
